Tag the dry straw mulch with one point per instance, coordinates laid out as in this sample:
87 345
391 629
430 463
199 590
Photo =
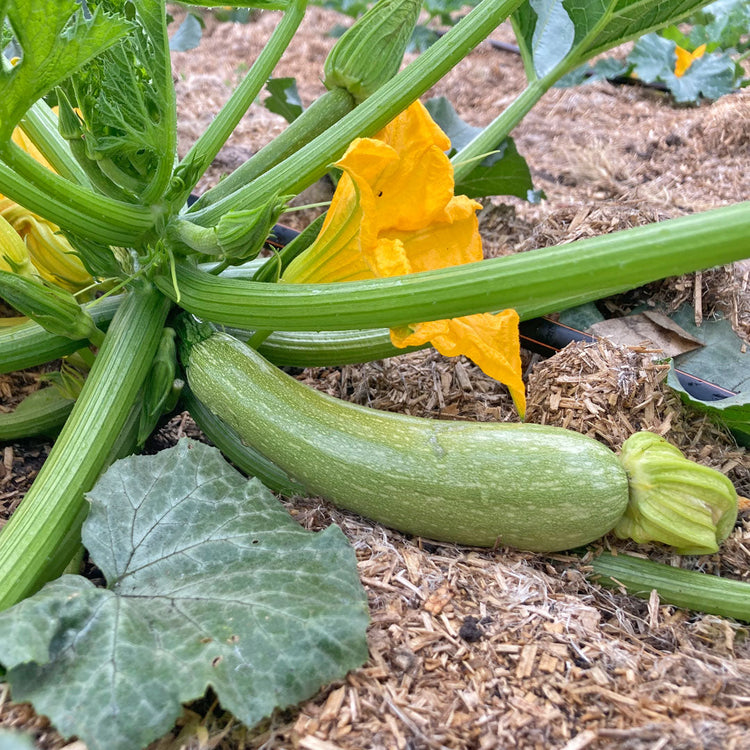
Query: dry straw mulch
473 649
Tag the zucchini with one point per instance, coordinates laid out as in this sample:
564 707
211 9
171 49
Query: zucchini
482 484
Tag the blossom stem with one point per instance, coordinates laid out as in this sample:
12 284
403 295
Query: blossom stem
204 150
310 163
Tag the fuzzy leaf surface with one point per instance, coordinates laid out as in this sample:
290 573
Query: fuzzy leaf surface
210 583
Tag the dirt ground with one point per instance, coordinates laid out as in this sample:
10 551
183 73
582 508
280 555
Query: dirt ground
476 649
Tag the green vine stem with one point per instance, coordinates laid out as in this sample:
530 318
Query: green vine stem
40 124
28 344
324 112
312 161
203 151
533 283
43 533
71 206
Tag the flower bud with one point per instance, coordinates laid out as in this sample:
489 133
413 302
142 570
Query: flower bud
369 53
55 309
674 500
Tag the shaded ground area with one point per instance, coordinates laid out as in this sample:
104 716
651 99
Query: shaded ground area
491 649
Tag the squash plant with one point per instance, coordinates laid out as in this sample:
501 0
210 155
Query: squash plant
120 196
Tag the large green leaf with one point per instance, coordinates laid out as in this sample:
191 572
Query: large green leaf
732 412
210 583
284 98
55 41
543 28
653 59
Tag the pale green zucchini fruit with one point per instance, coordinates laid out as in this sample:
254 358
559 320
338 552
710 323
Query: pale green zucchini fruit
481 484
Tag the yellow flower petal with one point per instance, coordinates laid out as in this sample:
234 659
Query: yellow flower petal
394 213
685 59
490 341
50 252
413 189
452 242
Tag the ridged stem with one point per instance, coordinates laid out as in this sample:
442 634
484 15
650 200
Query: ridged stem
203 151
69 205
533 283
683 588
29 345
311 162
42 534
324 112
40 124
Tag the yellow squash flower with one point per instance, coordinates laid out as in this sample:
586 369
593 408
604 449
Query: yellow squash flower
685 59
394 213
50 253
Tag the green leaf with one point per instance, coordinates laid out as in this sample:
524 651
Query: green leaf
188 34
553 35
721 360
422 38
210 583
598 25
351 8
709 77
732 412
284 99
723 23
55 40
504 172
10 740
126 102
653 58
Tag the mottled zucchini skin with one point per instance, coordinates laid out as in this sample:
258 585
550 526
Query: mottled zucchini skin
482 484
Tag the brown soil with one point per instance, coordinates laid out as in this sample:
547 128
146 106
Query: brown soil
486 649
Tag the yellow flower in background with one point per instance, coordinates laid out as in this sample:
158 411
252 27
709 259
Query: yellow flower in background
685 59
394 213
50 253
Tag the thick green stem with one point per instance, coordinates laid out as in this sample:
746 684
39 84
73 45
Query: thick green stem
683 588
324 112
204 150
41 537
68 205
311 162
533 283
29 345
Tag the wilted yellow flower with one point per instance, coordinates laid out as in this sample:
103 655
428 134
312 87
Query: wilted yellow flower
394 213
50 253
685 59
